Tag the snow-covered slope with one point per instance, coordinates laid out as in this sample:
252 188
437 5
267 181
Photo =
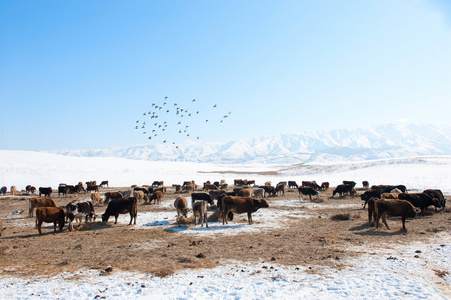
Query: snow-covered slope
21 168
380 142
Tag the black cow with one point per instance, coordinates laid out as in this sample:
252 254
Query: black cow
280 188
121 206
307 191
371 193
311 184
70 189
389 188
62 190
268 189
420 200
365 184
79 188
79 210
47 191
350 183
3 190
201 196
219 205
292 184
145 191
437 194
342 189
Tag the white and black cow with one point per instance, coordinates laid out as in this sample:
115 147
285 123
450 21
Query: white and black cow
78 210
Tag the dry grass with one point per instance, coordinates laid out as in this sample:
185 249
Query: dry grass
341 217
314 242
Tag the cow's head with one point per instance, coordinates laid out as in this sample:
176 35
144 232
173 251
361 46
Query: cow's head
436 202
260 203
105 218
185 212
412 213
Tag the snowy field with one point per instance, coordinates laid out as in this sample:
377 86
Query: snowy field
398 273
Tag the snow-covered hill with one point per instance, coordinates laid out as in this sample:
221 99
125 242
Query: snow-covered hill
379 142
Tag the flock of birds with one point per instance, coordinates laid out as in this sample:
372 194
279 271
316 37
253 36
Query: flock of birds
166 122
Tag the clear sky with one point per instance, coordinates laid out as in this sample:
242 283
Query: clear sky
79 74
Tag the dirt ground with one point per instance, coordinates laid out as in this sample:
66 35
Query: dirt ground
315 242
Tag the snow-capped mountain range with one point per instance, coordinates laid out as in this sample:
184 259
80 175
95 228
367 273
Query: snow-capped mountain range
378 142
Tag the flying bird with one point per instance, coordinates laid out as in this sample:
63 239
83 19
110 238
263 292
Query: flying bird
214 105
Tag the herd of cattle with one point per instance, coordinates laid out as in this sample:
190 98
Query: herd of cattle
246 197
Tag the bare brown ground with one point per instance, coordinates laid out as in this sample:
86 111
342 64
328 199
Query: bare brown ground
315 242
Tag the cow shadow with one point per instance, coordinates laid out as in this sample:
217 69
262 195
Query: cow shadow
198 228
367 230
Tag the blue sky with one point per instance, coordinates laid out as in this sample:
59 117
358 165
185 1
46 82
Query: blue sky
79 74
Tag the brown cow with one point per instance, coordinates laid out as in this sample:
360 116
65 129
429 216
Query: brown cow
13 190
241 205
394 208
162 189
188 188
92 187
325 185
181 205
157 196
200 213
95 197
139 195
112 196
215 194
245 192
389 195
238 182
50 215
105 182
178 188
39 202
209 186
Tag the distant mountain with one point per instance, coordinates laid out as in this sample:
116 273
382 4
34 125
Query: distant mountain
384 141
